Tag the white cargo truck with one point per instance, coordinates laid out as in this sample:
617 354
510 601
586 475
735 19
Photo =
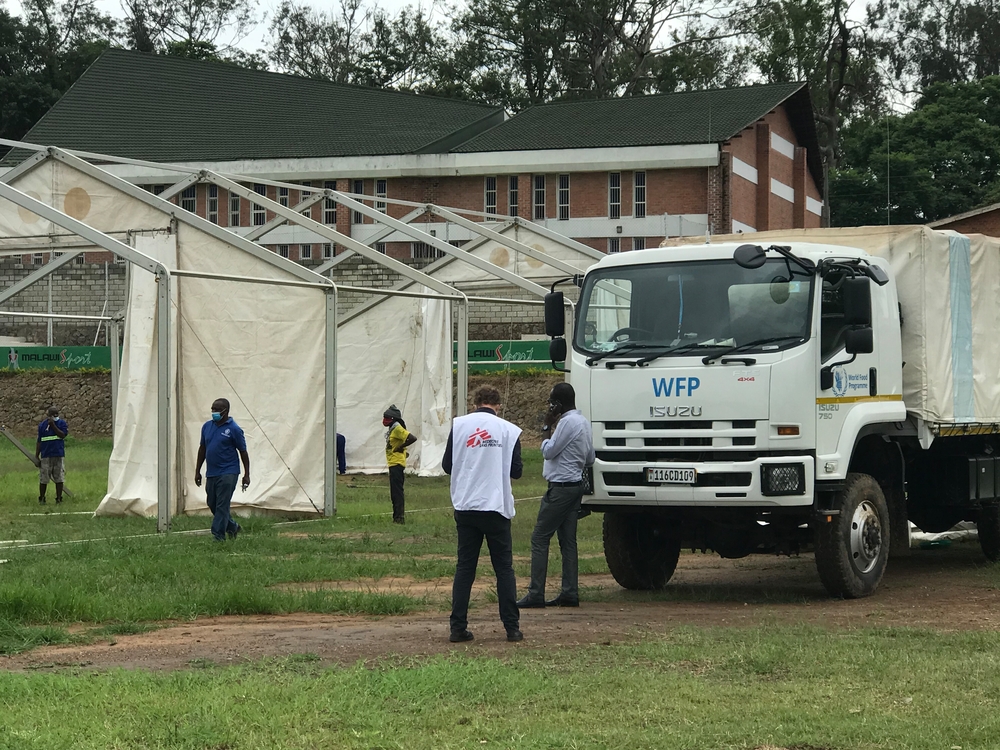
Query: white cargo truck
784 392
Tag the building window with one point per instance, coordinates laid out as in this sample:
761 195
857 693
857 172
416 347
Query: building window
512 195
37 259
358 189
380 192
80 259
329 204
490 205
424 251
188 200
563 196
328 250
380 247
305 252
614 244
157 189
283 197
638 243
119 260
639 198
306 194
614 195
283 251
259 212
539 202
213 204
234 210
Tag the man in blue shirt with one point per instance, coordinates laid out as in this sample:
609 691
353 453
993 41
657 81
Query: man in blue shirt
223 446
50 451
567 453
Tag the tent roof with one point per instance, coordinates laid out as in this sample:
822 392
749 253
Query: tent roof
164 108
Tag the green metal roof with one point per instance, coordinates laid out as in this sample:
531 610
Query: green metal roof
663 119
163 108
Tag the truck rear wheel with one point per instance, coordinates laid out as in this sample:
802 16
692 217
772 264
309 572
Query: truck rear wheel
852 549
641 553
988 528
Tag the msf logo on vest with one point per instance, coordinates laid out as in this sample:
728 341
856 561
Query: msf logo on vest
481 439
675 388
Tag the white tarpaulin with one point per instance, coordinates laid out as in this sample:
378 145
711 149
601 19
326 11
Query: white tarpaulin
949 294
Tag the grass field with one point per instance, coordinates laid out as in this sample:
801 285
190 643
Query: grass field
691 688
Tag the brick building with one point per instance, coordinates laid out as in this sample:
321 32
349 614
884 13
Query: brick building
616 174
985 220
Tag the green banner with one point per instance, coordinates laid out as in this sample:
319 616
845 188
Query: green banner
54 357
486 356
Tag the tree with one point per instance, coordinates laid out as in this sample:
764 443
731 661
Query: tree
931 41
198 29
941 159
816 41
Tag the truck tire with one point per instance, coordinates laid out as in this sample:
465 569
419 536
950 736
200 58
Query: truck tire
988 527
852 549
641 553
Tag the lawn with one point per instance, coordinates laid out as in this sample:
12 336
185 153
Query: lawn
691 688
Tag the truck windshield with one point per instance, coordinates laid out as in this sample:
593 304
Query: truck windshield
697 305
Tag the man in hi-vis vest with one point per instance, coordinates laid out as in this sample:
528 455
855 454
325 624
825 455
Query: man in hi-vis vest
483 454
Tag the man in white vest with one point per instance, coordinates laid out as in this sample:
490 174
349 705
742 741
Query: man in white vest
483 454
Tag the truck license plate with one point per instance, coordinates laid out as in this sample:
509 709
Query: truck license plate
670 475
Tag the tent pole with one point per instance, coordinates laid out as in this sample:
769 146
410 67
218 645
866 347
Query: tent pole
113 339
163 403
462 397
330 454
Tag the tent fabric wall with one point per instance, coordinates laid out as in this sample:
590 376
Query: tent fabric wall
948 286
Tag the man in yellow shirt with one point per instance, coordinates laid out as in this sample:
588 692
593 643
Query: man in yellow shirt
396 439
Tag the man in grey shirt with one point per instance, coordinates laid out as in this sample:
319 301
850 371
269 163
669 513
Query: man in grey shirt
567 452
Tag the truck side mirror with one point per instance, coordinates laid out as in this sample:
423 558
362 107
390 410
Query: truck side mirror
859 340
857 293
557 350
555 315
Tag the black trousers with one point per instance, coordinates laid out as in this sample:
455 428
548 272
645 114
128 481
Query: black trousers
396 492
473 526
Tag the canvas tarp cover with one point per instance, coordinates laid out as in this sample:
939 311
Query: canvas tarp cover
399 351
949 294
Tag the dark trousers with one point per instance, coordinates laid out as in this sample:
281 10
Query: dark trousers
396 492
556 515
473 526
341 453
220 496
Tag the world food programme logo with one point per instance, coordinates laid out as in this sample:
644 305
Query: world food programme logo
481 439
840 381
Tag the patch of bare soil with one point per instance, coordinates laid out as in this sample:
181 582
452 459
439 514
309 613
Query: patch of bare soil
936 589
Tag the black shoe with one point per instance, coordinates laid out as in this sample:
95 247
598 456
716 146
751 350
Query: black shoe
463 636
514 636
233 534
399 520
530 603
563 601
41 501
58 500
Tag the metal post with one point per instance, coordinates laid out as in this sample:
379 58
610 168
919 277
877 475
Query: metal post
163 402
113 339
330 455
48 332
462 397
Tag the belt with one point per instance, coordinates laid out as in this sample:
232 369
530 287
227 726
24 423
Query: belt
566 484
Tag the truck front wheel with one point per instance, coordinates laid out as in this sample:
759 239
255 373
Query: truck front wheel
853 547
641 553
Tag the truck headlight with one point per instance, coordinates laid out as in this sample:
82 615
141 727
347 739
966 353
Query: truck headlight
782 479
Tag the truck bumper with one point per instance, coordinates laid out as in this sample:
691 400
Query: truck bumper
779 481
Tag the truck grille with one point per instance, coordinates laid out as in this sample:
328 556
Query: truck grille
693 435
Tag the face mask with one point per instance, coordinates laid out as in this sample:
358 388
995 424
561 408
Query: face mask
386 421
216 416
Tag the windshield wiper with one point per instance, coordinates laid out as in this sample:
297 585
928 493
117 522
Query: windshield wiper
623 349
749 345
681 349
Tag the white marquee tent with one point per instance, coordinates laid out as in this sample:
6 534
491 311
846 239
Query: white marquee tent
244 323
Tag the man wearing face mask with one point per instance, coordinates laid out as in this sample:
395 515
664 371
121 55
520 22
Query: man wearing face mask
397 439
567 451
223 446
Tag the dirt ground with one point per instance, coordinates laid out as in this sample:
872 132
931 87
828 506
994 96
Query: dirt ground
943 589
